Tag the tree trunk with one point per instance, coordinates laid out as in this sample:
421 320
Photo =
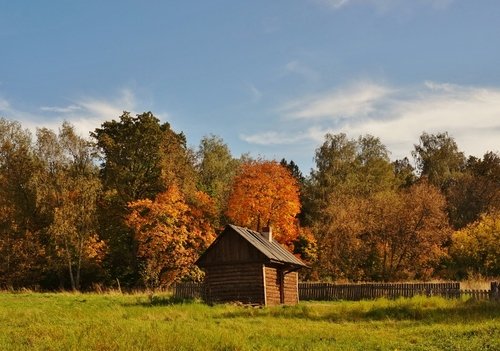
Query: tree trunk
70 266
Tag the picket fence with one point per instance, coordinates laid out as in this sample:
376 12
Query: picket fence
363 291
189 290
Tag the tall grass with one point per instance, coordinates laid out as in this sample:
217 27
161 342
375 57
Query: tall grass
65 321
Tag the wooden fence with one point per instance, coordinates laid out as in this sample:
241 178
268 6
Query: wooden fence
189 290
363 291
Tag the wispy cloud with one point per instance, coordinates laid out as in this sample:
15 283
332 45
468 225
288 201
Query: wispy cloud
358 99
85 114
335 4
386 5
274 138
67 109
255 93
4 104
301 69
398 116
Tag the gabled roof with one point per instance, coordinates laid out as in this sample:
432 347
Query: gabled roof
272 250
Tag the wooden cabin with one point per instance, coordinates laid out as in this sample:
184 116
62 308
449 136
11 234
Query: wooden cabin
249 267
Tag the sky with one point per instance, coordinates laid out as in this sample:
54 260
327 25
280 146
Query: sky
271 78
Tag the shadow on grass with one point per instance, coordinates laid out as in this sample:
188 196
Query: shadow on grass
399 310
463 311
159 300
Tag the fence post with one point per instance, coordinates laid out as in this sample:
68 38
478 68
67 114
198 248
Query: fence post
494 290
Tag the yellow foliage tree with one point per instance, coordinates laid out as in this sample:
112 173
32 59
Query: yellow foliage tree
476 248
170 233
263 193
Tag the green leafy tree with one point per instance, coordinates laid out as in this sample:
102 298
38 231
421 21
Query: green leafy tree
351 166
294 170
216 170
475 191
438 158
141 158
405 172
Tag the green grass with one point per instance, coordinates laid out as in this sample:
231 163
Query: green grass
63 321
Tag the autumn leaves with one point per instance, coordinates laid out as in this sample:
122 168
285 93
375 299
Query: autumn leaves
265 193
137 205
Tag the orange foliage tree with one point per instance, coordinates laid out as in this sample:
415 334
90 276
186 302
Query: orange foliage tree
170 233
391 235
408 232
264 192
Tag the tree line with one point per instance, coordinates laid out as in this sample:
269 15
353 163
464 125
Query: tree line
134 206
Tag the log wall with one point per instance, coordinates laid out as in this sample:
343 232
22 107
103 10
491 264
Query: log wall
237 282
272 286
276 284
291 288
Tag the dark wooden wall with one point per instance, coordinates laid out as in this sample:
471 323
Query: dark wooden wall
231 248
236 282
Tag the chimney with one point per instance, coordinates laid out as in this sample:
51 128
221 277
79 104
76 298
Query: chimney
267 232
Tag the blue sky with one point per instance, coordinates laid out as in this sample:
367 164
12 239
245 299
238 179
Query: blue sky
269 77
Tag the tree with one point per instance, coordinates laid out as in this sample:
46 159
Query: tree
347 166
397 234
68 186
216 171
405 173
476 248
475 191
348 172
22 253
438 158
170 234
294 170
408 232
265 193
338 236
141 158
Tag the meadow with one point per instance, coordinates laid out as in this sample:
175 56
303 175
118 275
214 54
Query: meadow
73 321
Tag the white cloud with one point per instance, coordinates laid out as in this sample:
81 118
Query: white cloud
386 5
92 112
359 99
67 109
274 138
397 116
85 114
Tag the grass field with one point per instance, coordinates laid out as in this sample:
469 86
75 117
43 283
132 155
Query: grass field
63 321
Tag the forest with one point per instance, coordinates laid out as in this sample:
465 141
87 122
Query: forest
134 206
